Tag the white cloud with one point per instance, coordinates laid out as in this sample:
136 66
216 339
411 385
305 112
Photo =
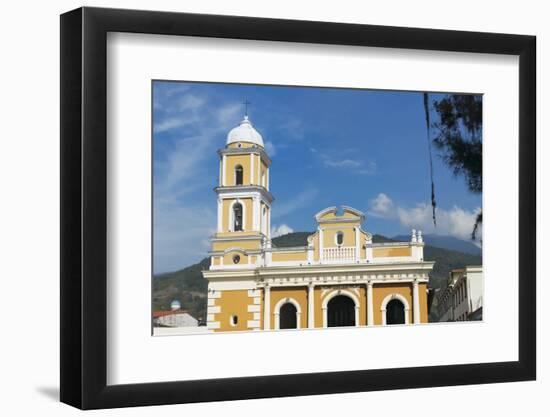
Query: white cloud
456 221
354 166
270 148
281 230
381 205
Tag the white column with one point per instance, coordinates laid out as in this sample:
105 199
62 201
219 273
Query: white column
357 239
416 303
256 215
220 212
267 307
370 309
251 168
268 222
223 169
310 306
321 245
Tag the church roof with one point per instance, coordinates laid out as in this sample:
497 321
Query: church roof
245 132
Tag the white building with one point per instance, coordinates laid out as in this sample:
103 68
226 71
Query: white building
462 299
174 318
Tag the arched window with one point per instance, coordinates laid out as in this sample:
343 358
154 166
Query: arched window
237 217
395 312
339 238
288 317
238 175
341 311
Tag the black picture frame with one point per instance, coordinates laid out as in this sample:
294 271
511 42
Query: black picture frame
84 207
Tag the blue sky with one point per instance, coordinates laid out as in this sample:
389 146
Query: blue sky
362 148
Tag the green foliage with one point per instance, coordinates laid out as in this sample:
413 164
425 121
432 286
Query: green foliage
459 136
189 287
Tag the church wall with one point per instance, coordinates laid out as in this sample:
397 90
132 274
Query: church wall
226 216
333 215
233 303
393 251
381 291
243 244
289 256
242 143
299 294
228 258
231 162
329 235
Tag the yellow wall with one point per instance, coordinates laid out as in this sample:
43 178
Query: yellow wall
231 162
228 258
289 256
233 303
298 294
243 145
329 236
226 215
332 215
243 244
392 251
381 291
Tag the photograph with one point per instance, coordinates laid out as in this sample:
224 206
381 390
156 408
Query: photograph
301 207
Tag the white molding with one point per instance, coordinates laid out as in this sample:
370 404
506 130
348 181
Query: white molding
310 306
254 293
335 293
277 311
224 166
253 324
390 297
214 293
416 303
254 308
251 168
370 304
267 307
213 325
213 309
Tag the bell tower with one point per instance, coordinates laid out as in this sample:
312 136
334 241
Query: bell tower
244 200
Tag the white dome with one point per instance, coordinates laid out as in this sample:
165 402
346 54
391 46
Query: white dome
245 132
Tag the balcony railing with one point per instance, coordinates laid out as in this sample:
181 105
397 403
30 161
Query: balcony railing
339 254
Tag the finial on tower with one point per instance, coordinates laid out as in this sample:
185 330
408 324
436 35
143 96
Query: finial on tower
246 104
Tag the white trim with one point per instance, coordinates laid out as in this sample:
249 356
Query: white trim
224 165
253 324
214 309
390 297
277 311
254 308
220 217
416 303
335 293
267 307
370 304
311 306
251 168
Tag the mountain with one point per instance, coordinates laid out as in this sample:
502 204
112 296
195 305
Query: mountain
189 287
446 242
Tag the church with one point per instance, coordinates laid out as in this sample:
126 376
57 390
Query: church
339 278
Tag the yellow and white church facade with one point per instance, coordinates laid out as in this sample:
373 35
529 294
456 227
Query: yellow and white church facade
340 278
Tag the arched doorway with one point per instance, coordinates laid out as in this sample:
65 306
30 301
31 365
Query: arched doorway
288 317
395 312
341 311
